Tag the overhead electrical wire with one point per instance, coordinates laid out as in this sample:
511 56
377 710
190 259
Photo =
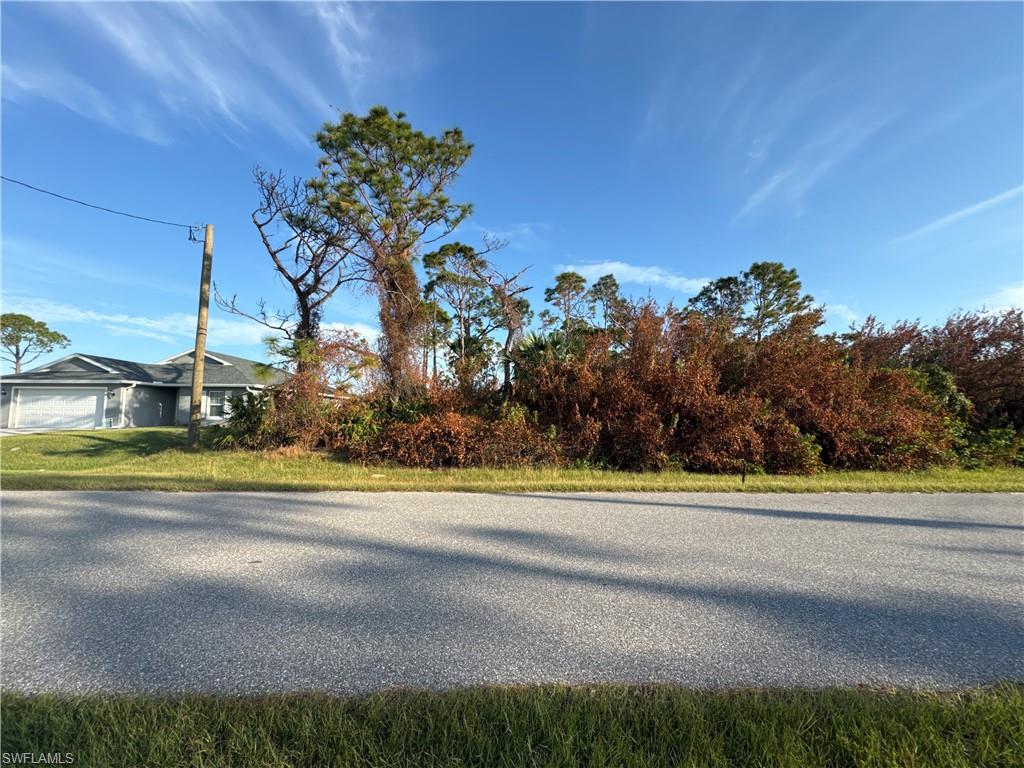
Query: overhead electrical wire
189 227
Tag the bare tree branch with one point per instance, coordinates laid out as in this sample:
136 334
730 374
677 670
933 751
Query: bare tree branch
314 253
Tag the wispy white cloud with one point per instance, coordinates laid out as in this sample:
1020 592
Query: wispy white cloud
232 66
174 327
776 131
954 108
346 31
963 213
169 328
367 331
1007 297
635 274
739 84
44 262
71 92
840 315
796 101
765 191
812 162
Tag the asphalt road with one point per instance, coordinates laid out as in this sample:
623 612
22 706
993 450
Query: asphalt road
343 592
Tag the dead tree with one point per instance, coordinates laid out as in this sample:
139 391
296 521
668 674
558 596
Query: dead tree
513 310
313 252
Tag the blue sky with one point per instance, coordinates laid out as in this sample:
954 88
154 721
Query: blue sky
877 148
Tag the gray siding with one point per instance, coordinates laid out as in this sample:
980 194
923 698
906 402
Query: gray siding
148 406
181 413
112 411
5 405
185 395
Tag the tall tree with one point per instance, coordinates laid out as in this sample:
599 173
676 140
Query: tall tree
607 302
722 299
312 251
24 339
512 311
758 302
453 272
388 183
775 298
569 298
436 332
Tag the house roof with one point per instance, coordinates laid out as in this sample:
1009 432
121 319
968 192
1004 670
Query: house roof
227 371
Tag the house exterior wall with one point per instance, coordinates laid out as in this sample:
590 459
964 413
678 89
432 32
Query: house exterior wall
181 412
185 397
147 406
138 406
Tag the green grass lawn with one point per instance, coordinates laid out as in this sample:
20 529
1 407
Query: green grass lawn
544 726
153 459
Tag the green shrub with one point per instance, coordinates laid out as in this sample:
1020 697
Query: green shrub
997 447
249 423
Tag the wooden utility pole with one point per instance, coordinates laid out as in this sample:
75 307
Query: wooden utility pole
195 415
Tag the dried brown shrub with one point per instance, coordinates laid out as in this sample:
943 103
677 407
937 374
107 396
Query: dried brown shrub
983 350
687 390
639 408
449 439
671 388
435 441
863 417
985 353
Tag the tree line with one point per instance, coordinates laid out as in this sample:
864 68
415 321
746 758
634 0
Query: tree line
740 375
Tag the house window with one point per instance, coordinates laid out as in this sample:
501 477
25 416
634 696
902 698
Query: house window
215 403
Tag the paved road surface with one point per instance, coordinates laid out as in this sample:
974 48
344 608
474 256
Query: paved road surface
345 592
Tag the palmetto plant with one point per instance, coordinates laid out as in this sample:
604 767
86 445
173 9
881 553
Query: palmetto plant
536 349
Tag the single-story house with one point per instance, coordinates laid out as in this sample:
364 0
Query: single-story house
92 392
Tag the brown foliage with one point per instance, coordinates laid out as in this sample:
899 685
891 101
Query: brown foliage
985 354
874 345
863 417
672 388
449 439
642 407
300 415
685 389
983 350
440 440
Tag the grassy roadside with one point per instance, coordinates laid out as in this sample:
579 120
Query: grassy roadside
152 459
541 726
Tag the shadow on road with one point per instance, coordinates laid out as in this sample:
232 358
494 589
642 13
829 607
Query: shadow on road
330 607
789 514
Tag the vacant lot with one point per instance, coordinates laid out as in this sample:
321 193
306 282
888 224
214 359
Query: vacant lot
153 459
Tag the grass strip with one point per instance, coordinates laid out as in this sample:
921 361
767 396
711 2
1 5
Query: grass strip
153 459
530 726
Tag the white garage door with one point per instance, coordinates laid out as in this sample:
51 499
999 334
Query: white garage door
58 408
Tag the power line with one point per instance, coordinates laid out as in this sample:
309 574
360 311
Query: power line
189 227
